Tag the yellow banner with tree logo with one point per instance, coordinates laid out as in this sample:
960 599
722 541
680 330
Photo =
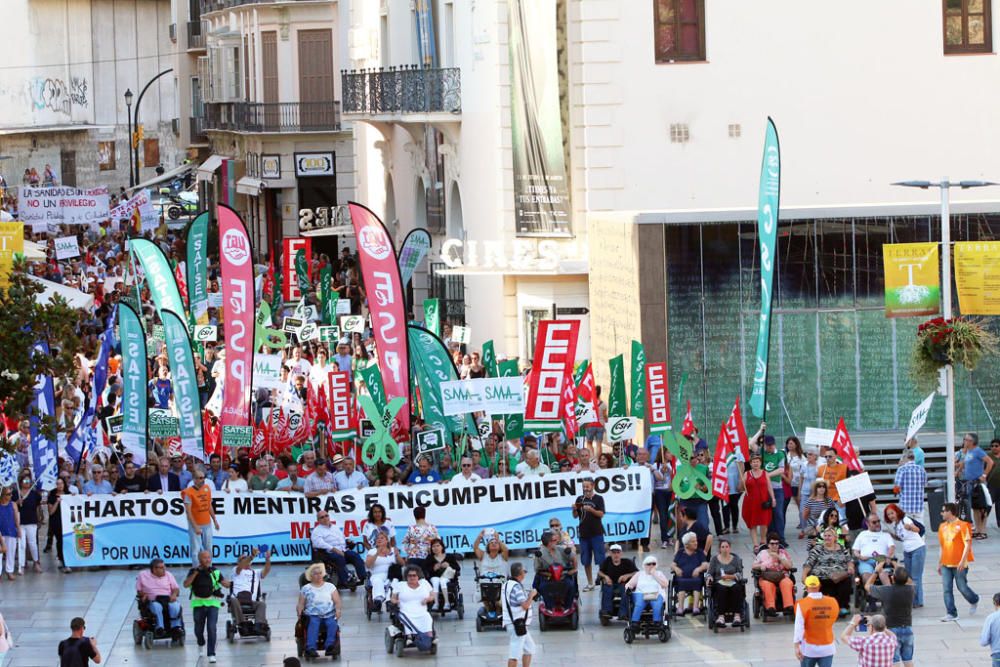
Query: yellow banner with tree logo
977 276
912 279
11 243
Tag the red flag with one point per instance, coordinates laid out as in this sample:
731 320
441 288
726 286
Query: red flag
586 394
720 470
555 350
688 427
569 407
259 443
268 288
181 284
736 432
845 448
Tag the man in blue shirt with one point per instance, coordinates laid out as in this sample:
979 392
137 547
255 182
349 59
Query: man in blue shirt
349 477
973 466
98 484
424 474
910 482
991 632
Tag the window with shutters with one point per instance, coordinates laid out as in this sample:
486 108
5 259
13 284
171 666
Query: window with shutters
967 26
680 30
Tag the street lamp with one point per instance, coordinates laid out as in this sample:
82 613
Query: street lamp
138 102
128 113
949 371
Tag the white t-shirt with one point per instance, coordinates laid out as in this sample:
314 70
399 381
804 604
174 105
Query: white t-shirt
411 600
369 530
911 540
869 543
382 563
247 579
462 479
238 485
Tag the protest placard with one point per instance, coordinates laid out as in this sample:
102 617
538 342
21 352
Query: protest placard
267 371
430 440
495 396
352 324
855 487
460 334
66 247
206 333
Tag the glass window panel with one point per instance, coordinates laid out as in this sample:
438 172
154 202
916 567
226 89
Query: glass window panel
665 11
793 370
953 30
838 375
685 348
689 10
870 235
690 35
875 339
977 33
724 361
836 263
975 6
665 42
796 265
954 6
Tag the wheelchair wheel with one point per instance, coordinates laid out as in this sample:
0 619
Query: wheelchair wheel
368 610
267 634
137 632
628 636
664 635
756 607
434 649
389 641
400 646
147 640
574 622
479 623
460 607
230 632
543 623
300 646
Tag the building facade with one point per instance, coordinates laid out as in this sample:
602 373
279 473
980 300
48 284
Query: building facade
68 65
279 150
670 101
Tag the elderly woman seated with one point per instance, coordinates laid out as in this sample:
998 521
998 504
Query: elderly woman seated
832 563
689 568
648 587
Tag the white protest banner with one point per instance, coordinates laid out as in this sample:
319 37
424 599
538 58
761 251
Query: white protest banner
141 201
133 529
206 333
267 371
344 307
821 437
919 417
215 299
352 324
63 205
67 247
495 396
621 428
855 487
460 334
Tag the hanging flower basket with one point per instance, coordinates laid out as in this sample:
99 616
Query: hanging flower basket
959 341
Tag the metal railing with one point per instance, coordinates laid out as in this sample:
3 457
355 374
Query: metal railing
197 127
273 117
402 90
195 35
218 5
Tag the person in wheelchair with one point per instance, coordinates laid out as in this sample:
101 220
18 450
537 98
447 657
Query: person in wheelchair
689 568
158 589
380 561
832 564
493 558
830 519
872 546
614 573
319 602
441 569
330 545
648 587
246 590
775 565
552 554
725 576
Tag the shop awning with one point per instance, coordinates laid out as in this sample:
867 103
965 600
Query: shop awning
165 178
207 168
250 186
74 297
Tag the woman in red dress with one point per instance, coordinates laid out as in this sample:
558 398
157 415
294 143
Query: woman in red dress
759 495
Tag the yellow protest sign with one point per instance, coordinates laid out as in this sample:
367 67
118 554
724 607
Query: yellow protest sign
912 282
11 243
977 276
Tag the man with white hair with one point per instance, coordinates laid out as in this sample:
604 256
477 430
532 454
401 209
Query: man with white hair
874 649
531 466
466 475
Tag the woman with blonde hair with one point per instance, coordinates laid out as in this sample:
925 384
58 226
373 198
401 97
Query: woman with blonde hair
320 603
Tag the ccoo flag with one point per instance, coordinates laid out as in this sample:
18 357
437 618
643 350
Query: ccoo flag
767 234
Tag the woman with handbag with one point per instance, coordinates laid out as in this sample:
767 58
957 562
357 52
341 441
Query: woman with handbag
759 501
775 565
648 587
832 563
440 568
725 576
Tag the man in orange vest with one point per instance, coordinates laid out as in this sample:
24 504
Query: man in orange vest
955 537
815 615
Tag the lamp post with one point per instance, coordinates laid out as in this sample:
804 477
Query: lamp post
138 102
948 385
128 113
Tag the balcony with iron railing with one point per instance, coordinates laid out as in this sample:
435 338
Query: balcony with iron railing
220 5
402 91
197 129
273 117
196 36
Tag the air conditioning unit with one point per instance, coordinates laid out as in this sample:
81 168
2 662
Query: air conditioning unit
175 126
173 33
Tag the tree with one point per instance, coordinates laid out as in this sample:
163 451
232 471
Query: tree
25 322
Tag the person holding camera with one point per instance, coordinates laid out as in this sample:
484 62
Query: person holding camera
206 583
876 648
897 604
517 617
77 650
589 508
245 589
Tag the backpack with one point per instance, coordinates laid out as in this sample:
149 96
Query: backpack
919 526
204 584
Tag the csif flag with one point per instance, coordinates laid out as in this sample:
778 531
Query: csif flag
552 368
767 234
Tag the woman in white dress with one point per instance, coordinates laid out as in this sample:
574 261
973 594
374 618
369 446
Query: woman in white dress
379 561
413 594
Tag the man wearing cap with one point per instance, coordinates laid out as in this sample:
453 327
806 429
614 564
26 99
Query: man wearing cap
833 472
614 572
776 467
349 477
815 615
320 482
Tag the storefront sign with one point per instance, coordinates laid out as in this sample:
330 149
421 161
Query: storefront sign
270 166
912 282
523 255
977 276
314 164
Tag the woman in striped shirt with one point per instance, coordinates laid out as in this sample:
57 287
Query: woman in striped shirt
814 508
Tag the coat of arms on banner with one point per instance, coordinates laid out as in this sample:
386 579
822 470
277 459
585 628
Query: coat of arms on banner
83 539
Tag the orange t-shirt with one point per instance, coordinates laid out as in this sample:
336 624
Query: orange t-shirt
819 615
953 536
833 474
201 501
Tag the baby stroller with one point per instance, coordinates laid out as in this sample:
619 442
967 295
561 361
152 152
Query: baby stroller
490 615
645 626
402 634
301 627
249 628
144 628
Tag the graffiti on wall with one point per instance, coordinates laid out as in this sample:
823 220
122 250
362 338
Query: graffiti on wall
56 95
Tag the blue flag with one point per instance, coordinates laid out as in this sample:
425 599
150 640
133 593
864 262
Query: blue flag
44 450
